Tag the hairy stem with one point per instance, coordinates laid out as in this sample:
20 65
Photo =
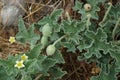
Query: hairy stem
105 16
68 16
88 23
107 12
115 28
59 40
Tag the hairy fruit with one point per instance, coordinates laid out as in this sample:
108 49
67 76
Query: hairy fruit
50 50
44 40
87 7
46 30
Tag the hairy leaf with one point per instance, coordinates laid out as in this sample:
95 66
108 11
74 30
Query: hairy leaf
27 35
99 43
111 75
57 73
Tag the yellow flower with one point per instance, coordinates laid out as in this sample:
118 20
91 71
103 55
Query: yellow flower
24 57
12 39
19 64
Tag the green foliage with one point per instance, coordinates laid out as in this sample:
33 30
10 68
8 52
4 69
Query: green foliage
94 4
52 20
34 53
78 5
115 12
110 75
56 73
3 74
116 55
27 35
94 39
7 68
98 43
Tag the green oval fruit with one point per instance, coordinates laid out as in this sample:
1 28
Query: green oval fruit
46 30
44 40
50 50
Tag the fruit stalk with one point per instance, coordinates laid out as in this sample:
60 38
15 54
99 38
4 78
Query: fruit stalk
59 40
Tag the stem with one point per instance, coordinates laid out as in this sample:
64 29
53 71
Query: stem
107 12
116 25
38 77
105 16
88 23
68 16
58 40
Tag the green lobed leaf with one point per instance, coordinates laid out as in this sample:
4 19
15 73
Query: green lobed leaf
43 63
44 20
33 37
116 56
34 65
10 72
84 44
115 12
3 74
46 65
94 9
56 73
54 36
27 35
35 52
56 14
69 28
52 20
73 30
8 64
58 57
77 6
22 28
108 26
40 65
111 75
22 34
99 43
70 46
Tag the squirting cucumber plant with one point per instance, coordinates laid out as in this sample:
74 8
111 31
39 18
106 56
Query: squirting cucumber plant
96 38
